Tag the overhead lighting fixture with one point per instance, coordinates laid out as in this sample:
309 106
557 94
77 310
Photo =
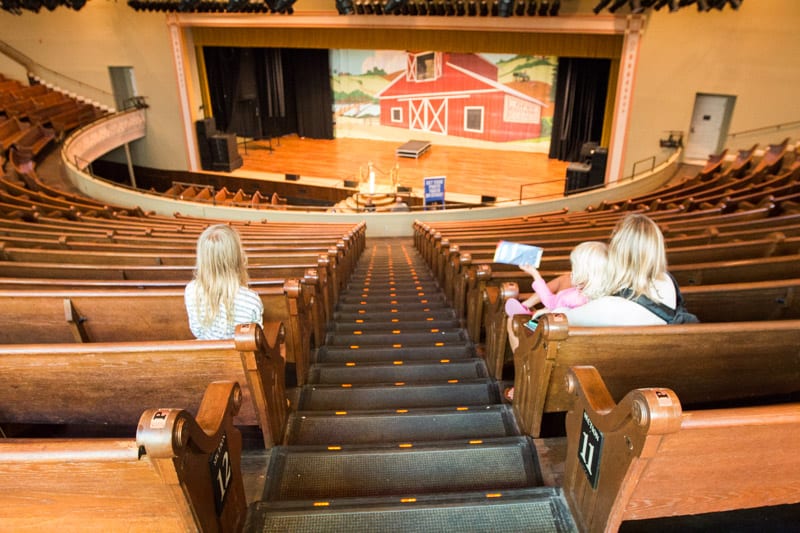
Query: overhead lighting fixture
505 8
345 7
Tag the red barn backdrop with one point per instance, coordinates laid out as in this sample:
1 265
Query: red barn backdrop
458 94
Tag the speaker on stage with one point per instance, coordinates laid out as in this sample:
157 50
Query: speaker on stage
597 172
488 199
205 129
292 177
224 152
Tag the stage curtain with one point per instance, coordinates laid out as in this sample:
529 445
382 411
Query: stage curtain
581 88
313 95
270 92
222 70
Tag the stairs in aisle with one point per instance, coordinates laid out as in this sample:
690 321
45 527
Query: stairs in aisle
399 427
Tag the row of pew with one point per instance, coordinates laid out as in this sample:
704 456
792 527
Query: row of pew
96 343
660 420
33 116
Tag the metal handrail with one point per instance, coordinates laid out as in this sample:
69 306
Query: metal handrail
652 158
775 127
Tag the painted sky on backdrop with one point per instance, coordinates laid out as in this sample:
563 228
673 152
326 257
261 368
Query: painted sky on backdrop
358 61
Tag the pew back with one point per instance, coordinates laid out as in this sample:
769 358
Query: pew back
647 457
110 382
701 362
166 479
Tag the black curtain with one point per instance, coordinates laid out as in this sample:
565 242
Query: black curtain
581 88
269 92
222 70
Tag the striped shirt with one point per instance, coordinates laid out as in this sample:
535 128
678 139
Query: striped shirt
247 307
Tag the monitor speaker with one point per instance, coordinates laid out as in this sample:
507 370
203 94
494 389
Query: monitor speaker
224 152
292 177
597 171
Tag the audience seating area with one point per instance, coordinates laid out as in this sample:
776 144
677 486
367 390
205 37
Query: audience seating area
94 340
732 244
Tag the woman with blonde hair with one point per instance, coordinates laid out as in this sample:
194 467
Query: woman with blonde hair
218 299
637 267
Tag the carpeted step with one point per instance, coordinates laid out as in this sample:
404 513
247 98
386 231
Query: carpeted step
540 509
397 395
420 306
408 323
432 337
393 315
403 426
328 472
346 354
394 371
390 298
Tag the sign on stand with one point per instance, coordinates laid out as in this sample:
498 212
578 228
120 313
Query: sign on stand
434 190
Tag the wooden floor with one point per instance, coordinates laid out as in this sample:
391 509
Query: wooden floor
469 170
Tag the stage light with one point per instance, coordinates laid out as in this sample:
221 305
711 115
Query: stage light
519 8
555 5
531 8
673 5
505 8
450 8
544 7
472 8
600 6
484 8
616 5
461 8
345 7
393 5
284 6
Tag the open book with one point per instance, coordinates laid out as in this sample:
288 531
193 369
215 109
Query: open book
514 253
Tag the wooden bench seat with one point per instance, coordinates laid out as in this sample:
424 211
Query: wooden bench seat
773 299
181 472
105 315
700 362
645 455
10 130
108 383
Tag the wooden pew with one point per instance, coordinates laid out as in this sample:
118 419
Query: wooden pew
108 383
773 299
647 456
106 315
180 473
732 360
10 130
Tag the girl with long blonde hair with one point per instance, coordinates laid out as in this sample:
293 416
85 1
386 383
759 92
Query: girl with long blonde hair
218 299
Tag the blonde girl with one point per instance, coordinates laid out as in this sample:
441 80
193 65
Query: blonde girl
218 299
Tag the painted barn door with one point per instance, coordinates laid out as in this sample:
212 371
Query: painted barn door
429 114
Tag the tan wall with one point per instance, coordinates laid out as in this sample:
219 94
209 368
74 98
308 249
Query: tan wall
83 44
750 53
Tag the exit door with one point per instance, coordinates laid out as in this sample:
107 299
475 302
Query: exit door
709 127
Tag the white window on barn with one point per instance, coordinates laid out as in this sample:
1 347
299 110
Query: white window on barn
473 119
397 114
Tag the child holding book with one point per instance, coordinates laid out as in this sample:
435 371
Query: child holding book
588 262
586 282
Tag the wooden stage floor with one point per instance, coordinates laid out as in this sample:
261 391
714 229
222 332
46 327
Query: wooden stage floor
470 171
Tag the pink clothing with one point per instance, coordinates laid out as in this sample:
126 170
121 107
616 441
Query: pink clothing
571 297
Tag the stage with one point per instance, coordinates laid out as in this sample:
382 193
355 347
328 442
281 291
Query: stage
471 171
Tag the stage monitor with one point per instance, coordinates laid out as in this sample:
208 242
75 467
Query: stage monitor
292 177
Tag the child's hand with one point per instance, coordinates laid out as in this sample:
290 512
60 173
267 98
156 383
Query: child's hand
530 269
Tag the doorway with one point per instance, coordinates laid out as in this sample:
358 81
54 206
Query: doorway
123 84
708 130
